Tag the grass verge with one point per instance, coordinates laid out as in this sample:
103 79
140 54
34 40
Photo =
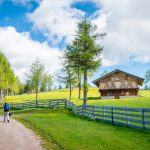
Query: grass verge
60 129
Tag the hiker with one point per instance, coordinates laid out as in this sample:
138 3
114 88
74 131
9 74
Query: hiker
6 112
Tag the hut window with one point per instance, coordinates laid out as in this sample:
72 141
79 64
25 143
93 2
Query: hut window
109 94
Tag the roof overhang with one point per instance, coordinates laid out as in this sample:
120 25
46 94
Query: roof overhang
140 80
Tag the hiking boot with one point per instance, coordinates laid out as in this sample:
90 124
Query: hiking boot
8 121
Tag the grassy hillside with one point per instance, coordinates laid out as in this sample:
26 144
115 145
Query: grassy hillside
93 98
59 129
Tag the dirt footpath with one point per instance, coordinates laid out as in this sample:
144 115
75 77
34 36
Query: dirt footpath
15 136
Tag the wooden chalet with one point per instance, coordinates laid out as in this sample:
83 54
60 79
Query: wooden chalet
118 84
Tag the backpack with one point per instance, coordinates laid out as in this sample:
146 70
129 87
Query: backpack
6 107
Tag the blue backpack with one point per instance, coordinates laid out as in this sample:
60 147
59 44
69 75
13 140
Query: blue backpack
6 107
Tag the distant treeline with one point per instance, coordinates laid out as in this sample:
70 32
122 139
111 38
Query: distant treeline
147 80
37 79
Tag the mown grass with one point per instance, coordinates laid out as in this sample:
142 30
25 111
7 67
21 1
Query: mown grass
93 98
59 129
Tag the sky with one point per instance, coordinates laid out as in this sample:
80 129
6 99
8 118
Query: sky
31 29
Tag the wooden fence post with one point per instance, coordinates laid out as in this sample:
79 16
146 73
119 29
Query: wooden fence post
103 113
83 107
127 116
43 103
82 110
143 118
93 112
37 103
65 104
57 103
49 103
112 113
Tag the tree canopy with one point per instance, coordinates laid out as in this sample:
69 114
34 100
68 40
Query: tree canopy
34 76
37 79
8 81
84 51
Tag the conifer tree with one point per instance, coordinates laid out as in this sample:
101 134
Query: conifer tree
84 52
34 76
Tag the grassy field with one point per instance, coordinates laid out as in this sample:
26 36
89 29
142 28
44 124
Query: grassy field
59 129
93 98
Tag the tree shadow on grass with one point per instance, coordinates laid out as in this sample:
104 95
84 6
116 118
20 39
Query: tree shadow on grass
93 98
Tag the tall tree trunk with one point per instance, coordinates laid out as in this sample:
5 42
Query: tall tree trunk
85 87
70 92
7 92
79 86
0 96
36 95
79 82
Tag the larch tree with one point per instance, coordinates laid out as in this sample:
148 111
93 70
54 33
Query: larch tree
84 52
34 76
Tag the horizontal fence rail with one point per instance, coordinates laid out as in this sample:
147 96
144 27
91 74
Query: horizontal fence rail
123 116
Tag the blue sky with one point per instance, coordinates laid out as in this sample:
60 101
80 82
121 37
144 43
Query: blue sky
30 29
15 15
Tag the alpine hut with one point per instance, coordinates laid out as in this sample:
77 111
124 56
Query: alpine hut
118 84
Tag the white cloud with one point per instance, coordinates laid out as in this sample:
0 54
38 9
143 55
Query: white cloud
21 50
56 19
127 23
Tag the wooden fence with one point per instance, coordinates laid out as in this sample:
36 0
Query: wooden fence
123 116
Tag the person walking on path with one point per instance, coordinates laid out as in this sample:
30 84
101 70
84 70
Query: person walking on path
6 112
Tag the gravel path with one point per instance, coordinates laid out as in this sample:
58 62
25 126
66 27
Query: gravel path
15 136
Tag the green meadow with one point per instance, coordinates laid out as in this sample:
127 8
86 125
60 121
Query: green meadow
60 129
93 98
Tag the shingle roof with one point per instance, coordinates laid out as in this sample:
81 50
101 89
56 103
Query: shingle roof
141 80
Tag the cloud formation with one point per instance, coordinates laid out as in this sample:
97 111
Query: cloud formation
56 19
126 22
21 50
